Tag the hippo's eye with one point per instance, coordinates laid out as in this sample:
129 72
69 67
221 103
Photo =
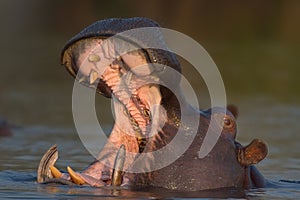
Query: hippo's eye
227 122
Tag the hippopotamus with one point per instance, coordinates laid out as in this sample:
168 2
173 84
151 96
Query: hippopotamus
150 117
5 129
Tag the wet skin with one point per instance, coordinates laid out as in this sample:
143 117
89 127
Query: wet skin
149 116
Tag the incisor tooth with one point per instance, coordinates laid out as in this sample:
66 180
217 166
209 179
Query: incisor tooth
93 76
55 172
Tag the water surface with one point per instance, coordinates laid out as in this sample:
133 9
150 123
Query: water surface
276 123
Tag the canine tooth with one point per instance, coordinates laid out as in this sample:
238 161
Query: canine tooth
75 177
117 175
93 76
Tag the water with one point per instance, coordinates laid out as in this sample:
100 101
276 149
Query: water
38 101
276 124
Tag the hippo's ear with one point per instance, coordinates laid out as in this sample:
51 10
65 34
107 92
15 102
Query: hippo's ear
233 109
253 153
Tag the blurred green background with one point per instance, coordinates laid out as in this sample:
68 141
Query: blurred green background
255 44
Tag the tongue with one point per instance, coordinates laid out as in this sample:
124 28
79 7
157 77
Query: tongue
149 95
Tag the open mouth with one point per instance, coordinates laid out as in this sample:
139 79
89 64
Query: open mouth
128 77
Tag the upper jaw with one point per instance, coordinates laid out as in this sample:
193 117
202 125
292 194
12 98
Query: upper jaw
129 78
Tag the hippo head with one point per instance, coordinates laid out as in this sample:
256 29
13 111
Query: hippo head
128 60
115 57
